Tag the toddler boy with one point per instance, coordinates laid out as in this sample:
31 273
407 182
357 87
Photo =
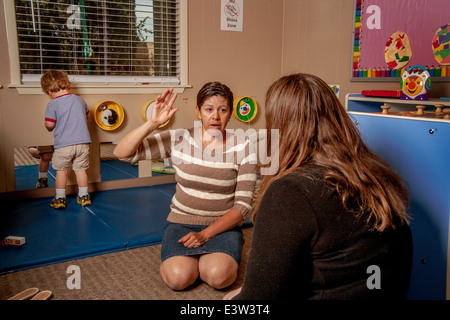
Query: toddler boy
66 116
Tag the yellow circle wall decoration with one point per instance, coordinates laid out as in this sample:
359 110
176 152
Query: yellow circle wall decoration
147 111
108 115
196 113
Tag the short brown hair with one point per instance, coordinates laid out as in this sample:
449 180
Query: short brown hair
215 89
54 80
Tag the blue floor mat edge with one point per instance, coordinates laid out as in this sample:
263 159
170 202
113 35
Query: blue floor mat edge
117 220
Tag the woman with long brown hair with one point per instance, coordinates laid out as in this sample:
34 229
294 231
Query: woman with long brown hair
332 222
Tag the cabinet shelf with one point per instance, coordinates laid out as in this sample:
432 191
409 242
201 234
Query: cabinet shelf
360 104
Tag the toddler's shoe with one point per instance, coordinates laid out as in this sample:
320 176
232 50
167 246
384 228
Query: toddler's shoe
84 200
42 183
59 203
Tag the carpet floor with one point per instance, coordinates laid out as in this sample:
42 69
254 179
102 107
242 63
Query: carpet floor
125 275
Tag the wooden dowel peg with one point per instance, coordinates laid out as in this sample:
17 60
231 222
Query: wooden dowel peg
447 113
420 110
385 108
439 108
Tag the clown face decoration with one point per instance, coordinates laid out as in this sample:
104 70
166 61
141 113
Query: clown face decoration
415 84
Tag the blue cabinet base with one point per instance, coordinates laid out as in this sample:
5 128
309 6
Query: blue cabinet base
420 152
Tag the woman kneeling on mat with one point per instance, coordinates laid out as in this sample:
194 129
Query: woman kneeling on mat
215 173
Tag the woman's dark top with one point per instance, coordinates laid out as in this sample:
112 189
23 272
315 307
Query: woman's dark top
306 245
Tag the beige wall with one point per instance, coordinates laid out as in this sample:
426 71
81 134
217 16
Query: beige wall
246 61
279 37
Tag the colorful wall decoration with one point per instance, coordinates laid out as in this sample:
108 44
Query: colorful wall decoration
391 36
244 109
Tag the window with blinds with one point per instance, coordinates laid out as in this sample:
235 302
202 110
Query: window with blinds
99 41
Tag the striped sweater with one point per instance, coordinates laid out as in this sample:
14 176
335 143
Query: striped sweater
210 182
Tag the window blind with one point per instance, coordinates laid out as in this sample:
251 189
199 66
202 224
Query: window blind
101 40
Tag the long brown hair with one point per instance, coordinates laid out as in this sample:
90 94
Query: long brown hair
314 128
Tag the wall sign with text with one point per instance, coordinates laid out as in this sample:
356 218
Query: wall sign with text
232 15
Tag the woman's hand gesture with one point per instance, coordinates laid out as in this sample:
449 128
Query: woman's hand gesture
162 110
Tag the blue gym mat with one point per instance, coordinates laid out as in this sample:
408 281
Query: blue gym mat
26 176
116 220
116 170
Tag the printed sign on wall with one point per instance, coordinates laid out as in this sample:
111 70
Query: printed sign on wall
232 15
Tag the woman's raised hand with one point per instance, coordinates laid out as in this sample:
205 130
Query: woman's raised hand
163 109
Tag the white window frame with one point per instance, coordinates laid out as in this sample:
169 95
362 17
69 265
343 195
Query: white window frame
96 84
